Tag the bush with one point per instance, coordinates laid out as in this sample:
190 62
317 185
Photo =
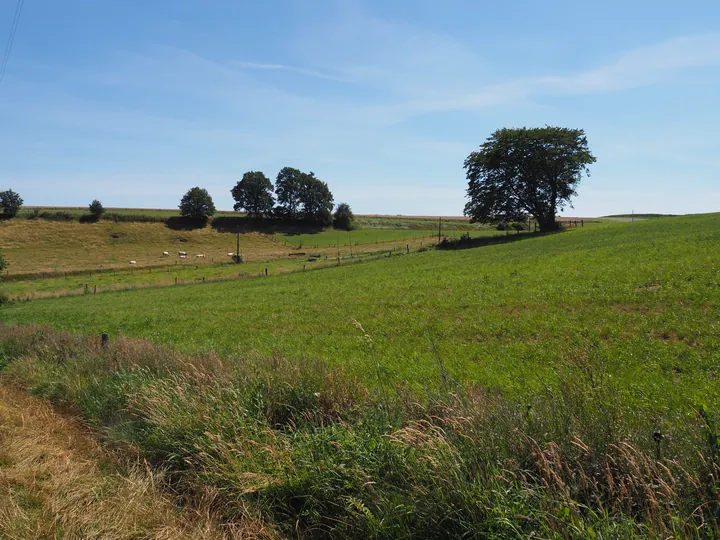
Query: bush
96 208
10 202
344 218
502 226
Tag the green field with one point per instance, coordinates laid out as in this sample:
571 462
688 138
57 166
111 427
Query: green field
636 296
492 391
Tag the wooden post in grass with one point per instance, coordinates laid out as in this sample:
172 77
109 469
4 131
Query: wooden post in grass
95 289
407 246
266 271
104 339
175 280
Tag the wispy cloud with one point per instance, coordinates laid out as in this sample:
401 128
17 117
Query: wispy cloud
293 69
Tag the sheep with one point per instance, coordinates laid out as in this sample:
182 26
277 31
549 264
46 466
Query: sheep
200 255
166 254
182 254
133 262
230 254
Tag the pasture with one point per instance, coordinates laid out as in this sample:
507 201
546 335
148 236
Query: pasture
564 384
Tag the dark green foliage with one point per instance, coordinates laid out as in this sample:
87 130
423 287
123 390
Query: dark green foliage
3 264
526 171
287 190
254 194
303 196
343 217
197 204
96 208
10 202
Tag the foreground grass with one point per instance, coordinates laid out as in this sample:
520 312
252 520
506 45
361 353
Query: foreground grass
320 455
56 482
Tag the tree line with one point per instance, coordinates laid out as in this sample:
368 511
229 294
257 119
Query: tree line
296 195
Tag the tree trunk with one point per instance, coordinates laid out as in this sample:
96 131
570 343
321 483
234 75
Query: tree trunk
548 224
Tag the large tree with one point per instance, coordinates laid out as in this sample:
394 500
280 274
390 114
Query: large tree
197 204
526 171
303 196
253 194
316 199
10 202
287 190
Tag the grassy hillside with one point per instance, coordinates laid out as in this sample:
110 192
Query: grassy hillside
38 246
635 297
563 385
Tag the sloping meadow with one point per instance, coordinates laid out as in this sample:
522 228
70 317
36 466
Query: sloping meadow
563 385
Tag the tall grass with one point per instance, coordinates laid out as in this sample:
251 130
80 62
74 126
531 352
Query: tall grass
318 453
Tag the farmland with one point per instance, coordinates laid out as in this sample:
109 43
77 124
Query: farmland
368 399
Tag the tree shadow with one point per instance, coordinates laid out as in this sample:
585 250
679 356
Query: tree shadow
88 218
227 224
480 241
181 223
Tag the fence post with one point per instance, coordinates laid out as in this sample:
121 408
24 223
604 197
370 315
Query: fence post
95 289
104 339
407 246
266 271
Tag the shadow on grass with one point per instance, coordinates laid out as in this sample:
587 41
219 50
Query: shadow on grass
180 223
468 243
264 225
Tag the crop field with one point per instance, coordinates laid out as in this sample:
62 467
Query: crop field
564 384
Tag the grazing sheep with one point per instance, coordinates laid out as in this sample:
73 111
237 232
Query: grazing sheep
133 262
230 254
200 255
166 254
182 254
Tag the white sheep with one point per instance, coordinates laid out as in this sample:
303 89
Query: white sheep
166 254
133 262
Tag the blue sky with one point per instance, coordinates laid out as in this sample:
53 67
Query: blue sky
134 102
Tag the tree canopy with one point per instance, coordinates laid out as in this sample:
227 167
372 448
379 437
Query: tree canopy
96 208
303 196
343 217
526 171
197 204
254 194
10 202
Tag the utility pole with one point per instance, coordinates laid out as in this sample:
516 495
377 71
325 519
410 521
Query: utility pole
439 228
237 249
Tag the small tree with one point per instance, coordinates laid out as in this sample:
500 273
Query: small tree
96 208
526 171
343 217
10 202
253 194
197 204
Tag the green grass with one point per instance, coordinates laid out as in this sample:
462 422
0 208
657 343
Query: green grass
491 392
638 296
330 237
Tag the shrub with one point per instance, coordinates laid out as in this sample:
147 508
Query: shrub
343 217
10 202
96 208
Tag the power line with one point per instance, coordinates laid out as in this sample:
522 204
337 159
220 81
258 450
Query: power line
11 38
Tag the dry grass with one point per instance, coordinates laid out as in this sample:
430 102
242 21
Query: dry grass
56 482
39 247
